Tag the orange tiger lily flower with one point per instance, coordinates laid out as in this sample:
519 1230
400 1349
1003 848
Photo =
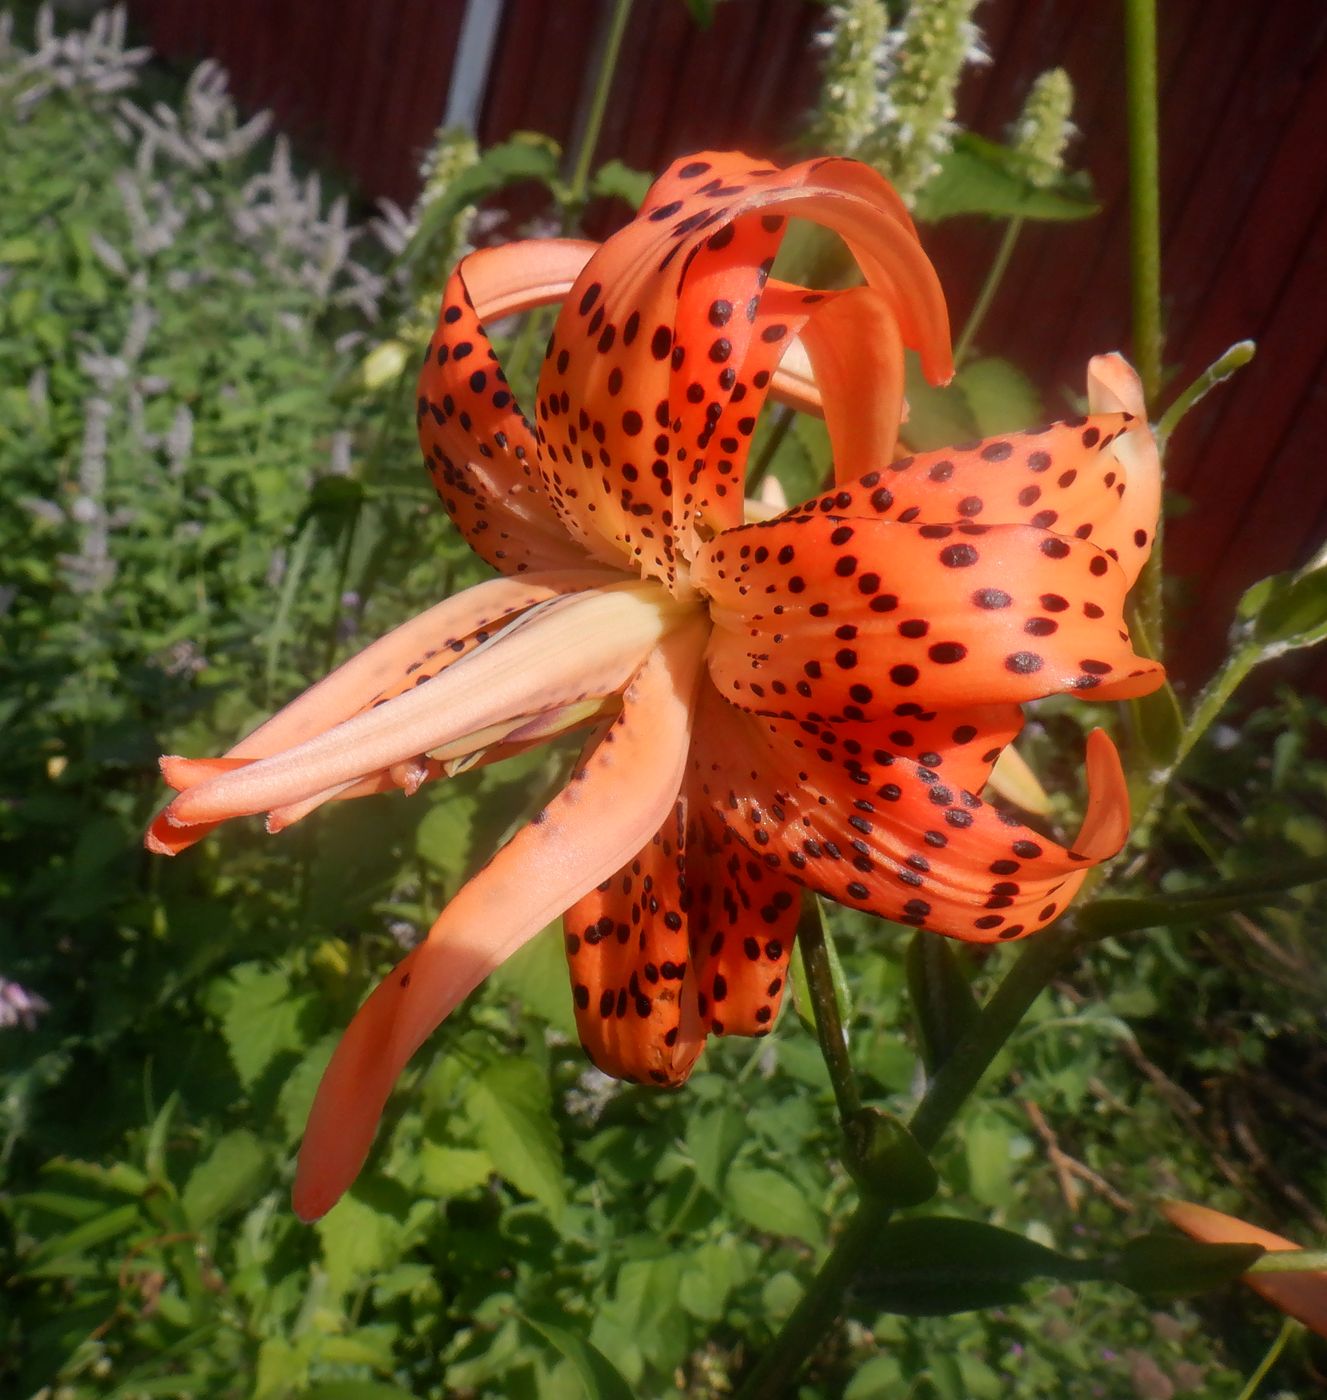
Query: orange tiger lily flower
1302 1296
813 699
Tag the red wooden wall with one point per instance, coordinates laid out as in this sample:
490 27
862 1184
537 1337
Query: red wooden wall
1244 133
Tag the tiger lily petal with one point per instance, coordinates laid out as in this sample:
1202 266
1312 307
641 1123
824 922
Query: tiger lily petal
814 699
1302 1296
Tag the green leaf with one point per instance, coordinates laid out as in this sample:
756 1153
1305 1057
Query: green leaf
1110 916
620 181
598 1376
355 1390
980 177
937 1265
1163 1265
1000 397
942 998
1284 612
452 1171
444 838
525 155
260 1017
769 1201
536 975
81 1238
511 1108
231 1176
886 1160
359 1240
712 1139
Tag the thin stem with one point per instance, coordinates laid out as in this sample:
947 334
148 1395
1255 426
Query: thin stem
594 121
1040 961
994 276
1270 1360
539 323
783 420
1211 701
1291 1261
808 1326
1217 372
1140 48
812 950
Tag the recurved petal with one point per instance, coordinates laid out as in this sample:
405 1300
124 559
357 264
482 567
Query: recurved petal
396 662
479 448
854 346
627 784
561 652
742 921
891 836
631 978
1093 478
1303 1296
654 342
821 616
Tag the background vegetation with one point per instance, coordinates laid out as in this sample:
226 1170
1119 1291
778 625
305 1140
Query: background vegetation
212 493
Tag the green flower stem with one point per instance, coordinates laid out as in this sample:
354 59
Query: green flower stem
822 1302
783 421
594 122
539 323
1217 372
810 1322
1273 1355
1208 706
1140 49
994 276
825 1004
1291 1261
1043 957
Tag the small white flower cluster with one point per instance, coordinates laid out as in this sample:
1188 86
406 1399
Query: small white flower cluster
181 162
206 129
1044 127
20 1007
282 216
94 60
889 94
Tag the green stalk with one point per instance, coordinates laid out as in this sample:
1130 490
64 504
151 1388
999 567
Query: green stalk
1140 51
1140 55
1206 709
994 276
808 1326
1273 1355
594 122
1216 373
1291 1261
825 1004
539 323
1044 956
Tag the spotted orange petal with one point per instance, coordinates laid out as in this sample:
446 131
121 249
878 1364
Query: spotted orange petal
631 982
743 918
1094 478
628 782
479 448
891 836
663 306
833 617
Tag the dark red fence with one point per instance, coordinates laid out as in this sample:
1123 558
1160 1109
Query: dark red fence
1244 112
